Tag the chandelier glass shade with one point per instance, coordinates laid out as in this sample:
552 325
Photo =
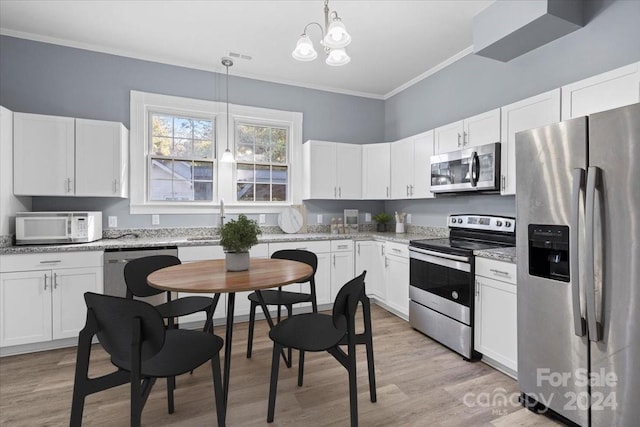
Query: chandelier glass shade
334 40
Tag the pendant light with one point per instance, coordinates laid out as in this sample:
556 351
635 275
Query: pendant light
227 156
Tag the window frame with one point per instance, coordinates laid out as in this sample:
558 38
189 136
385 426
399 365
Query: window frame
142 103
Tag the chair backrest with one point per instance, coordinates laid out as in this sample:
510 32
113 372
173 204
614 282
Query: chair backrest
346 303
115 323
298 255
137 270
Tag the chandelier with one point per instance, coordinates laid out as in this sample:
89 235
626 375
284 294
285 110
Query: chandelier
334 40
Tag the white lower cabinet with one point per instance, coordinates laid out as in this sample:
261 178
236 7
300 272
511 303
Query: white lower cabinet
341 265
496 320
370 257
396 274
42 295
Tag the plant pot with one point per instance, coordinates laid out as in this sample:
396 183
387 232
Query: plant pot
237 261
381 227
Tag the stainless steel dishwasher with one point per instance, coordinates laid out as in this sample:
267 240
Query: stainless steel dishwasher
116 259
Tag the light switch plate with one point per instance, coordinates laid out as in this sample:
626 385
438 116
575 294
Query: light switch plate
319 219
367 217
262 218
155 219
113 221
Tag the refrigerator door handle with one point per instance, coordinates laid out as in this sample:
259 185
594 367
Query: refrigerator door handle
593 180
579 322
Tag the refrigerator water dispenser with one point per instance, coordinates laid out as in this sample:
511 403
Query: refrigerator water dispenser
549 251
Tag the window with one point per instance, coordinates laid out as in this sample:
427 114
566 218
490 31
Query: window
181 156
262 169
174 144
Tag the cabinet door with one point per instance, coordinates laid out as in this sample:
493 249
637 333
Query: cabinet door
612 89
102 141
402 166
25 307
68 305
496 321
323 279
341 271
348 171
449 137
397 284
422 152
43 150
376 167
369 256
319 158
482 129
530 113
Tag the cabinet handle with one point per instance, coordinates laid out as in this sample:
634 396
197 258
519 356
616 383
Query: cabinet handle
504 182
477 288
339 192
410 190
335 192
68 185
45 281
382 248
386 262
358 248
504 273
301 249
465 138
407 191
334 260
387 191
396 250
50 262
459 143
343 246
55 280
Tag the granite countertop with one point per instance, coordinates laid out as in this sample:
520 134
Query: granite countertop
500 254
145 241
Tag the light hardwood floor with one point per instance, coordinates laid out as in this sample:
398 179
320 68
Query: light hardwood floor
419 383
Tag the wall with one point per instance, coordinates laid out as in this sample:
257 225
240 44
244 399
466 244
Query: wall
475 84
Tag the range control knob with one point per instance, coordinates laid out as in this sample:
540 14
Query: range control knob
453 220
507 224
499 223
454 295
459 220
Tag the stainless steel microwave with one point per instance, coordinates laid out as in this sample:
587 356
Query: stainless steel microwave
57 227
470 169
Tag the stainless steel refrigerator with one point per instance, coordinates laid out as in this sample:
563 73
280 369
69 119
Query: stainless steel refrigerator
578 248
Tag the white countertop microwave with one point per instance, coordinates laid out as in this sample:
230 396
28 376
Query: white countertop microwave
41 228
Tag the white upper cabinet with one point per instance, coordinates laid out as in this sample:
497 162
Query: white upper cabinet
612 89
477 130
410 167
376 170
62 156
530 113
107 141
332 170
43 155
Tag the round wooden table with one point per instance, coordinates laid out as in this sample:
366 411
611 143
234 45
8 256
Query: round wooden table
213 277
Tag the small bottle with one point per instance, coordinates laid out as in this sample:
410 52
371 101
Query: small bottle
334 226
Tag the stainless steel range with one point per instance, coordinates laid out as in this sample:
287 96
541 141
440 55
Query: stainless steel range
442 278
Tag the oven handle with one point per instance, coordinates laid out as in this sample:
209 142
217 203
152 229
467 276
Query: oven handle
446 260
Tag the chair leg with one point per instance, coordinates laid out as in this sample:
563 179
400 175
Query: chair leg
221 409
300 368
273 385
289 352
369 347
136 401
80 384
353 387
171 385
252 320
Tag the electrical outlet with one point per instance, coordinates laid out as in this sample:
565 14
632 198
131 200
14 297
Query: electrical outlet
319 218
367 217
262 218
155 219
113 221
408 219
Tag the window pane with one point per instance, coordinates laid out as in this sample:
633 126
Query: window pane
278 145
262 153
161 125
203 171
279 193
245 192
263 192
182 170
182 148
161 146
245 173
244 152
203 190
203 148
161 169
203 129
279 175
161 189
263 174
182 128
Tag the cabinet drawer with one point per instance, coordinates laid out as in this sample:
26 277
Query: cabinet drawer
47 261
498 270
341 245
397 249
316 247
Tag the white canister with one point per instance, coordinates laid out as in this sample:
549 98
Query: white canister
399 227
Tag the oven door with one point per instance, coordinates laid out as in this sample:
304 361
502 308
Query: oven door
471 169
441 282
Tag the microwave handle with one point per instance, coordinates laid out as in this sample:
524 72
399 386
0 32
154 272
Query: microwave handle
474 167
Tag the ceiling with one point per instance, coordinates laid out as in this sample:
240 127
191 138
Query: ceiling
393 42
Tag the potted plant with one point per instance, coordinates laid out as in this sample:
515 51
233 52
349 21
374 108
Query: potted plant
236 238
381 220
